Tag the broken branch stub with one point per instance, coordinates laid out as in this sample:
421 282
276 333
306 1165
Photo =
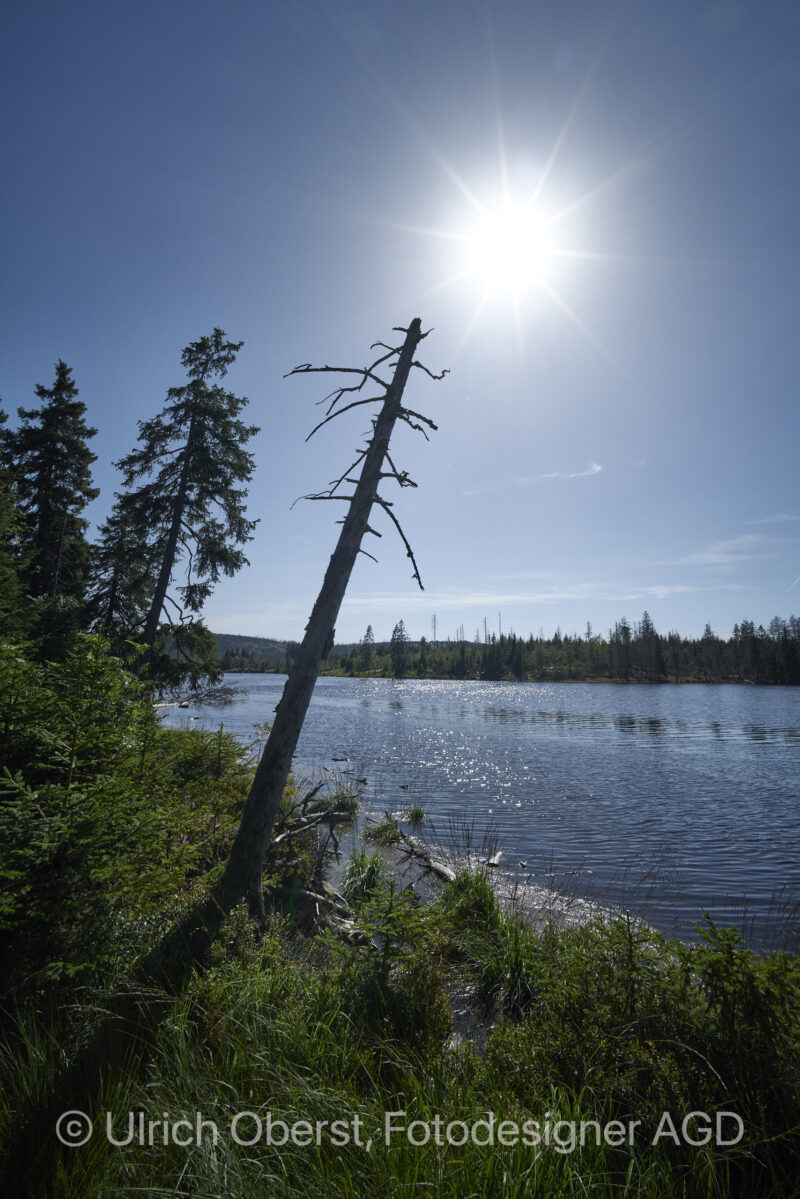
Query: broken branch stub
242 875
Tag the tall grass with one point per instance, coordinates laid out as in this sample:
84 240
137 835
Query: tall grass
608 1022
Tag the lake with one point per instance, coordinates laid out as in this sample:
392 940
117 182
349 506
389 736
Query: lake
664 800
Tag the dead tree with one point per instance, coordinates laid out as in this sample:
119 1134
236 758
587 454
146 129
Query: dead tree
242 875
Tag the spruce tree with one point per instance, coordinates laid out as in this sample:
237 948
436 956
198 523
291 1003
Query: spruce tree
49 462
10 590
188 463
122 578
398 649
366 649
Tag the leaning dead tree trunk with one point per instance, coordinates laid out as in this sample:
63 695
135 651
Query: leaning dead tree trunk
242 876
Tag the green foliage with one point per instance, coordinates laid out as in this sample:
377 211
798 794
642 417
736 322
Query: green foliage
122 578
619 1024
629 652
398 649
10 554
366 650
507 977
362 875
104 816
390 981
653 1026
469 905
276 1027
190 458
237 652
184 655
340 799
384 832
416 816
48 463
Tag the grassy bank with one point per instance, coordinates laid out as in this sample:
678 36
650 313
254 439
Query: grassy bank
587 1037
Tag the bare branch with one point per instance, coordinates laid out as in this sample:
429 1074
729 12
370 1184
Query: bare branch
307 369
400 475
304 823
343 478
367 555
337 394
425 419
322 495
367 373
403 477
312 794
409 552
405 414
329 494
384 357
427 372
169 600
340 411
412 425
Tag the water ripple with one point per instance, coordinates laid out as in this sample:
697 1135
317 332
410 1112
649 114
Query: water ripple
605 780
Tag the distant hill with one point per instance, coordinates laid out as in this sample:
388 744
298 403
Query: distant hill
238 652
235 651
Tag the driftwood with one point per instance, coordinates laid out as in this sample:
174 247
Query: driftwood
415 850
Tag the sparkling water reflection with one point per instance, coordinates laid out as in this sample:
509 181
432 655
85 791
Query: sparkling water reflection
669 800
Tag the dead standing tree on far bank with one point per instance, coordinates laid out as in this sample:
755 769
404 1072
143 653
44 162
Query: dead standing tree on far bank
243 872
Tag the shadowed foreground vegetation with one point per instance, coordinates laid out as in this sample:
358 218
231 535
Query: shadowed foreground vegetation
111 827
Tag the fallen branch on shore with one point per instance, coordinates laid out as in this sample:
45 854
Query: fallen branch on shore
416 850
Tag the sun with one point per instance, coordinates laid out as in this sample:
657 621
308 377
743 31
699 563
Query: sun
509 251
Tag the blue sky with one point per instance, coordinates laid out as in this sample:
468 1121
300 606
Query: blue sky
619 428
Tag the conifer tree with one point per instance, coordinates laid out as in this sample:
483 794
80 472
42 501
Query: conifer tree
122 578
398 649
366 649
10 590
188 463
49 462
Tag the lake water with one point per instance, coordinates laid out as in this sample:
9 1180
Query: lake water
665 800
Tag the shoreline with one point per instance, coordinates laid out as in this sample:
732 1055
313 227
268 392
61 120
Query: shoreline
446 678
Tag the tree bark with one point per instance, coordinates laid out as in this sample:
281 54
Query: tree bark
168 561
242 875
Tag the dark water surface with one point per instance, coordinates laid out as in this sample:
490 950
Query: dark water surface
668 800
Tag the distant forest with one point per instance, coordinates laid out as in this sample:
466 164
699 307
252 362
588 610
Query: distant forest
631 653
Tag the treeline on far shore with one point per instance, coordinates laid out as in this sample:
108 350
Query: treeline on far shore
630 653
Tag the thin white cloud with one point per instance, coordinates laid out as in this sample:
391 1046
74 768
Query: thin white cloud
727 551
489 600
778 518
594 468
